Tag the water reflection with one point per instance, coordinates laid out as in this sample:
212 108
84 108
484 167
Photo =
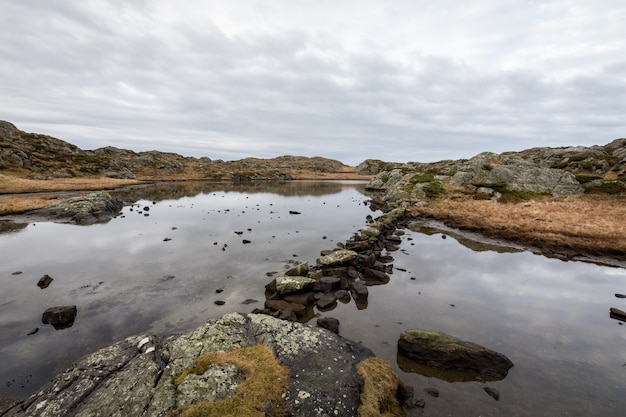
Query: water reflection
158 273
550 317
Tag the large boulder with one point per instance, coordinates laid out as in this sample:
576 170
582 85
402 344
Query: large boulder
148 376
442 351
96 207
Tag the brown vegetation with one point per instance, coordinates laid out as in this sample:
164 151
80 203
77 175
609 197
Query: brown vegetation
380 389
588 224
266 382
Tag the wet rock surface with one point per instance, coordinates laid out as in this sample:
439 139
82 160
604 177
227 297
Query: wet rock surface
135 377
444 352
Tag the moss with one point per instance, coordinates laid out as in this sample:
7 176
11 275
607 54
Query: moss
266 382
380 389
433 189
608 187
422 178
585 178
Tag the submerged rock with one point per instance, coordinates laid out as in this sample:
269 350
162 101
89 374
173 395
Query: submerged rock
145 376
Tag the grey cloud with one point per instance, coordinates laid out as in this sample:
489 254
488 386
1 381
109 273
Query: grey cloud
99 77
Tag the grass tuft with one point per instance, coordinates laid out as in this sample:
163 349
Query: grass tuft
266 382
380 391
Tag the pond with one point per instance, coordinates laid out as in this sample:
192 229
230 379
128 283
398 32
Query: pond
161 266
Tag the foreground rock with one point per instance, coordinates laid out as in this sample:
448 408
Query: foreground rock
141 376
444 352
92 208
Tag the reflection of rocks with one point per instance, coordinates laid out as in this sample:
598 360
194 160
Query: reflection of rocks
60 317
444 352
7 226
140 375
92 208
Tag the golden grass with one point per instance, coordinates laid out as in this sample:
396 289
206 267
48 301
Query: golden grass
380 389
591 224
266 382
16 185
20 204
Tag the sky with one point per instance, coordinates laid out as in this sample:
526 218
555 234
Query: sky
401 80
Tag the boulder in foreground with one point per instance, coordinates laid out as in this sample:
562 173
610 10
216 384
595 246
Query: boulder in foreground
145 375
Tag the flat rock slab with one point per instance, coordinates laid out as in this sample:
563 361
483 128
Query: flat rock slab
338 257
135 377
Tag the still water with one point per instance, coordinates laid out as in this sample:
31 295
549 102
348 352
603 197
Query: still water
161 270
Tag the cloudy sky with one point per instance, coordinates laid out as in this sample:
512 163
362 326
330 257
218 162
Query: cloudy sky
401 80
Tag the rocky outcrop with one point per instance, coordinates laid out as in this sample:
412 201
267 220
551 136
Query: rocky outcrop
374 166
444 352
539 171
145 375
97 207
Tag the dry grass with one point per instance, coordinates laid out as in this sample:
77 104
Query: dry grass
16 185
380 390
590 224
15 205
266 382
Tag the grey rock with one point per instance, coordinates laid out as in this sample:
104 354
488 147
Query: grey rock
338 257
359 292
442 351
301 269
135 377
329 323
293 284
59 317
329 284
91 208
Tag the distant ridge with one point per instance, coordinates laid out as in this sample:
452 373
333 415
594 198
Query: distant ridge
40 156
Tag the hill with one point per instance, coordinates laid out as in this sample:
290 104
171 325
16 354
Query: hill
37 156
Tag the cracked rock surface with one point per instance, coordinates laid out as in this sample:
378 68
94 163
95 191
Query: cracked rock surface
135 377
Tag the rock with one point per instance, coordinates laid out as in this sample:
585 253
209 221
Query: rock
492 392
329 284
326 302
343 296
59 317
329 323
338 257
305 299
617 314
441 351
286 307
92 208
292 284
145 375
299 270
45 281
359 292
